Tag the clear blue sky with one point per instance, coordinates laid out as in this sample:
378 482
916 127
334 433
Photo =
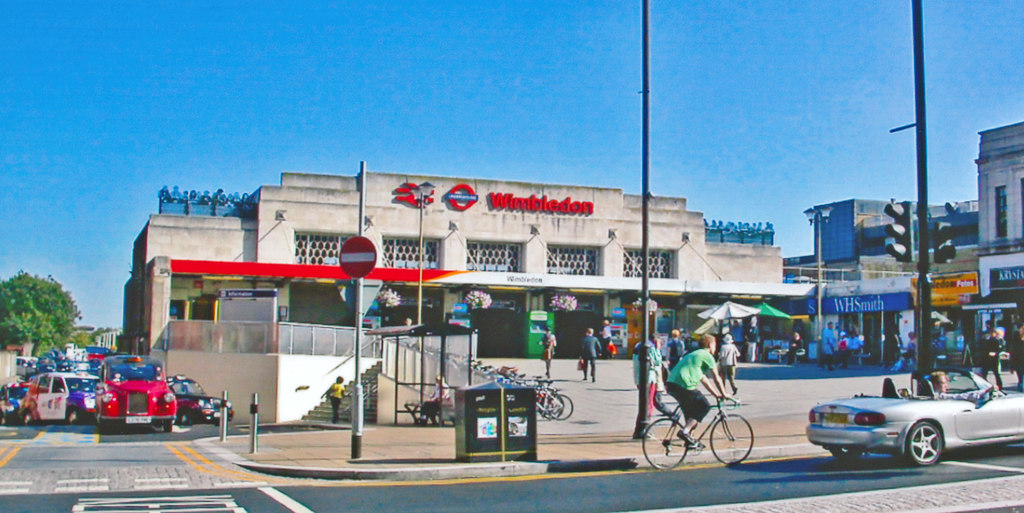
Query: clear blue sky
760 109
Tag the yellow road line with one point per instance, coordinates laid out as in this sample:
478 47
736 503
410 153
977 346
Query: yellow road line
201 463
5 459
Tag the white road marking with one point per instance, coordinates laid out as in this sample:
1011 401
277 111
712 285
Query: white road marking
285 500
144 483
82 485
8 487
206 503
983 466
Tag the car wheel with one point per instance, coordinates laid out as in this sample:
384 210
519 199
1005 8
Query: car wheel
72 416
924 444
846 453
26 418
168 424
185 418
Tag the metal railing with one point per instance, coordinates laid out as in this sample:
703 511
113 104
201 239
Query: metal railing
263 338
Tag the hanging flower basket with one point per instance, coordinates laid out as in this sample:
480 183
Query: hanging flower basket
652 305
388 298
478 299
563 303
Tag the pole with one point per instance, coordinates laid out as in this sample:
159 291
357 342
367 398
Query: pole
357 399
645 292
419 280
819 288
924 296
223 415
254 423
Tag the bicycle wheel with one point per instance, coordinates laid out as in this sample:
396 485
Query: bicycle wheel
732 439
546 406
662 448
567 407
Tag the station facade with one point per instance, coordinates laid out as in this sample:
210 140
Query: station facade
520 244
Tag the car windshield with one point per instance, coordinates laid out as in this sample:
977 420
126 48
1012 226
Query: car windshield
187 388
81 384
136 372
16 392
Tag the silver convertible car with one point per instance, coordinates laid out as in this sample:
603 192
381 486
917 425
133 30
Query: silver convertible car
915 423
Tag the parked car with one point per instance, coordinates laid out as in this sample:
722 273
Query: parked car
55 396
133 391
45 365
11 395
915 424
26 366
195 406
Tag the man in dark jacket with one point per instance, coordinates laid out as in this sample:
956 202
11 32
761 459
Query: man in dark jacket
591 348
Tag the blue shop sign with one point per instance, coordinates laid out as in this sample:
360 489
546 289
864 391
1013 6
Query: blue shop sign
892 302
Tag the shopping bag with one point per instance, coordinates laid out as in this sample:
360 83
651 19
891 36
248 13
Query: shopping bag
580 364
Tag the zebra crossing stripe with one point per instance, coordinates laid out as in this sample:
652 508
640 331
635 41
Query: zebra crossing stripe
98 484
145 483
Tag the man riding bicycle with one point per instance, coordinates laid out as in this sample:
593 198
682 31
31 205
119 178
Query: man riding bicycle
683 381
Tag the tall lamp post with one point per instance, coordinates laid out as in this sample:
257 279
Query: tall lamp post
423 193
817 217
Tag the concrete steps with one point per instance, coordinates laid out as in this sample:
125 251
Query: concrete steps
322 413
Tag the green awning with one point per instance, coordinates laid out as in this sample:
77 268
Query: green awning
770 311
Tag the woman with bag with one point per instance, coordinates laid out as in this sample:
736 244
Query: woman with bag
654 382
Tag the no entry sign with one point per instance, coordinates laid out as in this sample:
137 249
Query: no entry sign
358 257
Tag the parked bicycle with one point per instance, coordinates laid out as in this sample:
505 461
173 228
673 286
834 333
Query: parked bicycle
729 434
552 404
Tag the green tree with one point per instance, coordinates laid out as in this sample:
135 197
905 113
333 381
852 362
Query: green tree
36 310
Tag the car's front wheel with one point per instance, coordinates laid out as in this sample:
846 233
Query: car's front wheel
72 416
924 444
26 418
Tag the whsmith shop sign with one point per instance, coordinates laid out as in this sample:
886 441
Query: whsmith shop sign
892 302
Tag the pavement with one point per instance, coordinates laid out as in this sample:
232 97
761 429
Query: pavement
775 399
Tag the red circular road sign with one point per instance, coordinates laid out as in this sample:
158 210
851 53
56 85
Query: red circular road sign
358 257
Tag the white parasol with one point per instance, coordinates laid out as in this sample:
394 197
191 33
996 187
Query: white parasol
729 310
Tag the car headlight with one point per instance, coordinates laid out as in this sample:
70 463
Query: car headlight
205 404
168 397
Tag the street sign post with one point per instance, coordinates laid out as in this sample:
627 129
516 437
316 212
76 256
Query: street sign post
358 257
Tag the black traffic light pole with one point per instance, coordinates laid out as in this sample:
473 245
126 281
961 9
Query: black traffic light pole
924 286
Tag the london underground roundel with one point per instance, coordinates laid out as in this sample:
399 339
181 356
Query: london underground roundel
461 197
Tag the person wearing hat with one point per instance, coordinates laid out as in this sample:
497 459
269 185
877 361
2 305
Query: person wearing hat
843 350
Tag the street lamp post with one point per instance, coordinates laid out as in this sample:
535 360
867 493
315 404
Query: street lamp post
423 193
816 217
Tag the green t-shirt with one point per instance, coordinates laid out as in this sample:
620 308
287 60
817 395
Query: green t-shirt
691 368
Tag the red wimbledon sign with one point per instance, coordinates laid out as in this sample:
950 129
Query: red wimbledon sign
358 257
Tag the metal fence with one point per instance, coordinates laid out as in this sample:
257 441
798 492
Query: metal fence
264 338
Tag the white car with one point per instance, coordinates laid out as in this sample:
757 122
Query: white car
914 424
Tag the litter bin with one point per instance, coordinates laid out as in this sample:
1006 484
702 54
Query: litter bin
495 423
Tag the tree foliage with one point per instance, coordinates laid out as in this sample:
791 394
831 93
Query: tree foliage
36 310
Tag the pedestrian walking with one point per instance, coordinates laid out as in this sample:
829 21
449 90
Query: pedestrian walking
589 353
335 392
549 342
728 357
991 347
654 382
828 347
675 348
794 347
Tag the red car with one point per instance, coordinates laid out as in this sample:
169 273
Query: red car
133 391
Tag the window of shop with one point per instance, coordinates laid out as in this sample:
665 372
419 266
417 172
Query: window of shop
493 256
572 260
1001 211
405 254
659 263
317 248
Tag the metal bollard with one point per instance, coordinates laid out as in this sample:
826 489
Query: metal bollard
254 422
224 416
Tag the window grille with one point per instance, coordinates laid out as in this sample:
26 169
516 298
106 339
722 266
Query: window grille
318 248
572 260
659 263
405 254
493 256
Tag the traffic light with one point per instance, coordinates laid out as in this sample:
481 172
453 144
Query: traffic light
944 249
902 246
